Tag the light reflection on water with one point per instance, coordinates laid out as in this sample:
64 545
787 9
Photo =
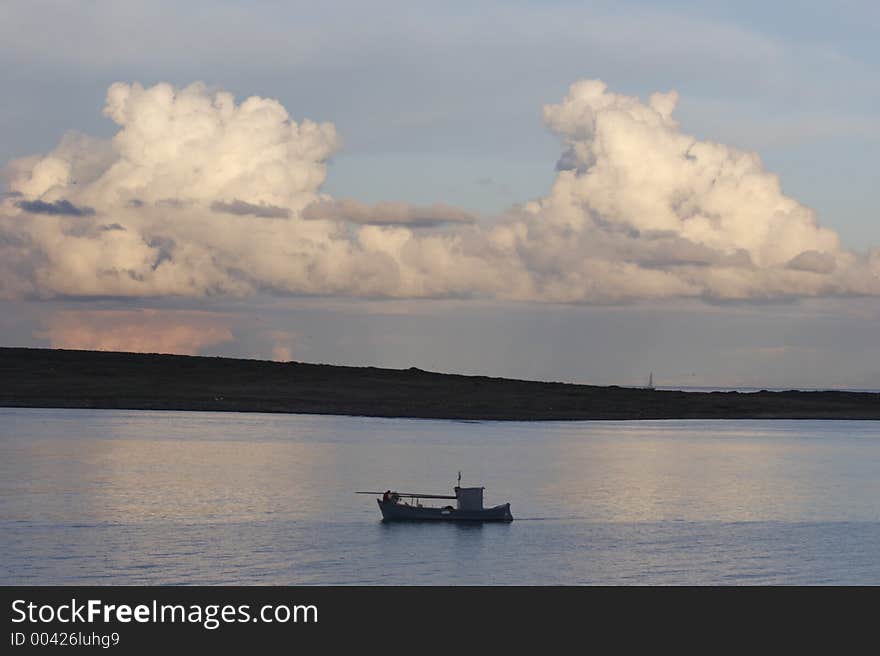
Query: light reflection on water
163 497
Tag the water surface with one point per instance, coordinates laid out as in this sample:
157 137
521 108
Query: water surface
133 497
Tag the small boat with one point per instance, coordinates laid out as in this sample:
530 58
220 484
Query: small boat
408 506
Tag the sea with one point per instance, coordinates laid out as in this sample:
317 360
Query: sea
147 497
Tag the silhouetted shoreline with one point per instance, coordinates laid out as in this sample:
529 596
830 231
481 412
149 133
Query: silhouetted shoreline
49 378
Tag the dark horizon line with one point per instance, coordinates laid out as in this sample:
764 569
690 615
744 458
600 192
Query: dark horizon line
137 381
671 387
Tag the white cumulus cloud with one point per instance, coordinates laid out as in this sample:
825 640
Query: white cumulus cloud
198 195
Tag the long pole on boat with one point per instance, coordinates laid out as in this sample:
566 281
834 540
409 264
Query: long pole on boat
413 495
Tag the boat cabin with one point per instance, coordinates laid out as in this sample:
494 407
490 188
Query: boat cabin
469 498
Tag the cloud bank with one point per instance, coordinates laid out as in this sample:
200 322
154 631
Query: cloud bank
387 213
198 195
181 332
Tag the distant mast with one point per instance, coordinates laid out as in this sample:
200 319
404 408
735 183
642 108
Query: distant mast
650 381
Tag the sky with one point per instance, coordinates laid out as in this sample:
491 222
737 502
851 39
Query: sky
568 191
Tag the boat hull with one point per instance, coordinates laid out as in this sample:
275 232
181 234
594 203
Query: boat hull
401 512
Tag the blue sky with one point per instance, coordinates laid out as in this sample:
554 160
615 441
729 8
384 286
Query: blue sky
441 102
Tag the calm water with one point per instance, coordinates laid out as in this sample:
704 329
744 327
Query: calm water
133 497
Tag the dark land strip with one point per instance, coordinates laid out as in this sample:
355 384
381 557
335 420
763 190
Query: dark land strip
48 378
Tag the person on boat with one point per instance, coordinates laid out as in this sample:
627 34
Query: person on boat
386 497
